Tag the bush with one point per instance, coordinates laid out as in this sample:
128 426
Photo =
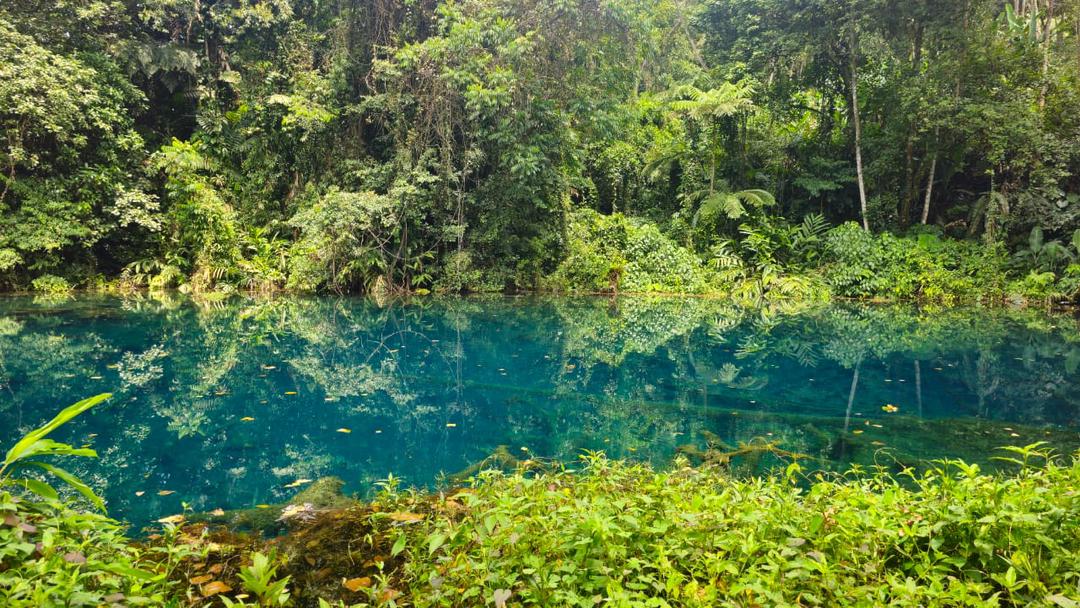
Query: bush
921 267
49 283
609 252
54 555
950 536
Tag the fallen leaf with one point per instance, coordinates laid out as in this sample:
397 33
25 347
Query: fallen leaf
890 408
166 492
388 594
262 506
172 519
356 584
198 580
857 432
297 483
246 419
344 430
218 512
215 569
408 518
214 588
139 493
290 392
450 425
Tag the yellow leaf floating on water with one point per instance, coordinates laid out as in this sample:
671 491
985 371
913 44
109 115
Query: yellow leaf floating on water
356 584
857 432
214 588
378 431
297 483
877 443
290 392
165 492
890 408
451 425
246 419
139 493
172 519
344 430
262 506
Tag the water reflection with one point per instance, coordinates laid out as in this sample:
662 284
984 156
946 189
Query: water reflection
225 403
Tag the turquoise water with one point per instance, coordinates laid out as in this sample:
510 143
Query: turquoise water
224 404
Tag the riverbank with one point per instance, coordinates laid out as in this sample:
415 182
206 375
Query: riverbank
608 532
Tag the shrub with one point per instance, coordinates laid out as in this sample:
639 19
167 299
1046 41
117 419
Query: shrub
950 536
606 252
49 283
922 267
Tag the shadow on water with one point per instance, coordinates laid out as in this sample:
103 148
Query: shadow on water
242 402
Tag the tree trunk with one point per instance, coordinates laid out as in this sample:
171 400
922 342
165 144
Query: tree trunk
858 130
930 183
1046 53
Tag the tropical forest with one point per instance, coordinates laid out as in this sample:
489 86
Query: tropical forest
514 303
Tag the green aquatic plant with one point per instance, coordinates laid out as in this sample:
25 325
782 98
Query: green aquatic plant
34 445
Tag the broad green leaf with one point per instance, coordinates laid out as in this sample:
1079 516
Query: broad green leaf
72 481
39 487
17 451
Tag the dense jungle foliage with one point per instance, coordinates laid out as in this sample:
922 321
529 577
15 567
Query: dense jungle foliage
477 145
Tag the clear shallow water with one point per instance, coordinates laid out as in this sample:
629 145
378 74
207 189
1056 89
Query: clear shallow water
226 403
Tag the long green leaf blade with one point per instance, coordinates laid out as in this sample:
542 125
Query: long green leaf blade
64 416
72 481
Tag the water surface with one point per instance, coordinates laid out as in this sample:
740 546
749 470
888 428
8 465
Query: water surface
226 403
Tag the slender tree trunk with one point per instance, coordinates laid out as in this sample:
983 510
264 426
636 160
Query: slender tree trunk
858 130
930 182
1046 53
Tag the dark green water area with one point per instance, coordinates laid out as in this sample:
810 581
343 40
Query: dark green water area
238 403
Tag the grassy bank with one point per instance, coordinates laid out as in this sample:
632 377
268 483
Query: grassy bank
609 533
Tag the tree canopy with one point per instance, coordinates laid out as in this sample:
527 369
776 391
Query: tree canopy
426 144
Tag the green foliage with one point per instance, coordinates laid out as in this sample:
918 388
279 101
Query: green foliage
460 141
54 555
611 253
36 445
342 240
260 580
49 283
861 264
949 535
